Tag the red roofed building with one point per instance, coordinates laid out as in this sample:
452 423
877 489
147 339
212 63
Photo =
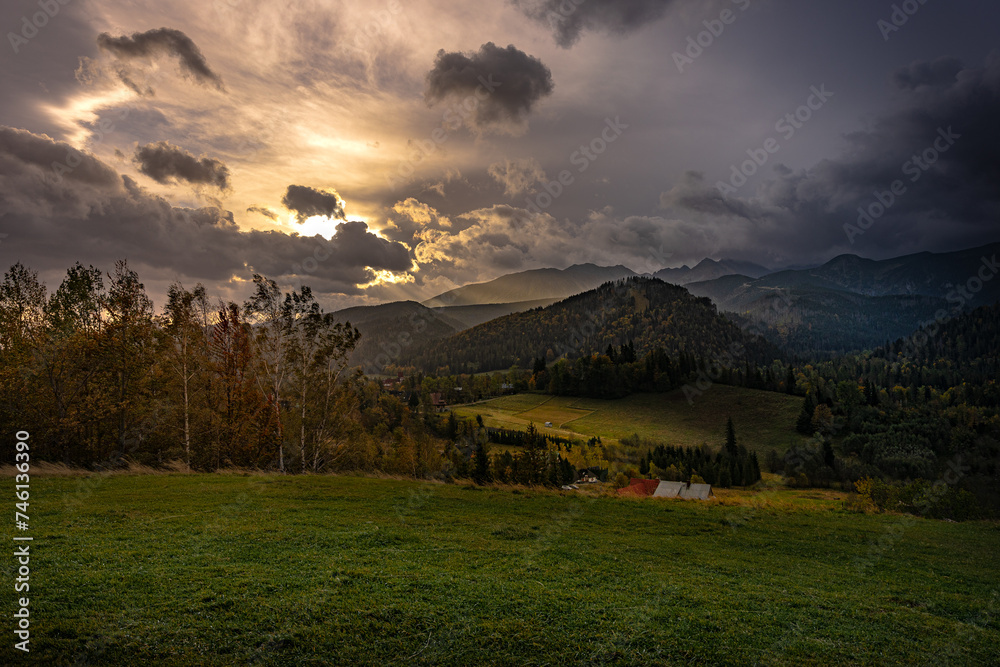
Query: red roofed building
644 488
640 487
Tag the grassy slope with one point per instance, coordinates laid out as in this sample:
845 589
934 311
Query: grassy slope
763 420
205 569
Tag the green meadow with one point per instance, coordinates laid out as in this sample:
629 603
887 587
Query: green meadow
221 569
764 420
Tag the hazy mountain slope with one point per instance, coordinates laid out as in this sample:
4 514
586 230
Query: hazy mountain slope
531 285
708 269
392 329
646 311
467 317
853 303
930 274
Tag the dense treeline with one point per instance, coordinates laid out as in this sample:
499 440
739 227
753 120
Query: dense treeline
615 374
515 438
645 314
912 409
536 464
817 323
732 465
95 375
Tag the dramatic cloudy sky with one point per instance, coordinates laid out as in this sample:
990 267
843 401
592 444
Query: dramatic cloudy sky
393 149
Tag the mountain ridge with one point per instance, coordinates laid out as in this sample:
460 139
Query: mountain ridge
531 285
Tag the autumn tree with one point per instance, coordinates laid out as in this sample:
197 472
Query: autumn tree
129 349
184 336
22 299
70 366
318 349
270 322
335 400
243 416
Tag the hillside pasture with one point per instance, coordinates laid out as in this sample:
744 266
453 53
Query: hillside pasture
763 420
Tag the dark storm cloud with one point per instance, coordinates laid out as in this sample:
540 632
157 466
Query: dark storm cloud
163 161
307 202
143 45
941 150
569 18
53 160
940 72
501 85
693 194
93 211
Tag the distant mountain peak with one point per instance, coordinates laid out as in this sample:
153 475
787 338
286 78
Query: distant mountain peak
709 269
532 285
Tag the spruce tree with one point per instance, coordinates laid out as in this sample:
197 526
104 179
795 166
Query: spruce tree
481 465
730 436
804 424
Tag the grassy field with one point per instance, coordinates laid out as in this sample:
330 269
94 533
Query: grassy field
763 420
270 570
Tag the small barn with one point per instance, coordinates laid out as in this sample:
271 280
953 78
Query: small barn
664 489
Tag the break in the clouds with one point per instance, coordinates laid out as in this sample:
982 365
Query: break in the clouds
164 162
494 88
306 202
569 18
160 41
928 171
98 217
517 176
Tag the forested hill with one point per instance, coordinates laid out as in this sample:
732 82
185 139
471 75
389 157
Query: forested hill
961 350
391 327
645 313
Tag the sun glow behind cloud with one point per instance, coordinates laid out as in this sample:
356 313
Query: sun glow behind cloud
315 225
80 116
383 277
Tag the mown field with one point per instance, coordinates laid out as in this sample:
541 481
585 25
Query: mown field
764 420
271 570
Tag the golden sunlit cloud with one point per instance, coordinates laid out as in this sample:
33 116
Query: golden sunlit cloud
82 111
383 277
